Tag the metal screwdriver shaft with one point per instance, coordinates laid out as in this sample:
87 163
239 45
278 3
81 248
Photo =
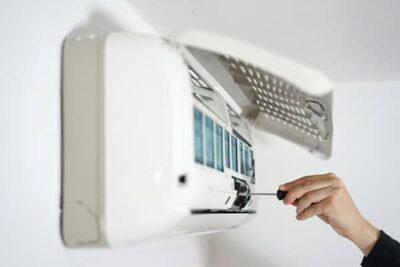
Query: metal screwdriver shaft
262 194
279 194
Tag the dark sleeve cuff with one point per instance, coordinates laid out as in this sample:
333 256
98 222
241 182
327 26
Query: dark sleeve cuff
386 252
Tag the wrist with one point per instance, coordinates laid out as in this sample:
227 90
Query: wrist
364 236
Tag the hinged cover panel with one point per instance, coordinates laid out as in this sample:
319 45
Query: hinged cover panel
273 94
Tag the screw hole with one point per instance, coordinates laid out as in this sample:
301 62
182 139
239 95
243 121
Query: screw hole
182 179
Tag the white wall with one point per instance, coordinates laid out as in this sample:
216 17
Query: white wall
351 41
31 34
366 156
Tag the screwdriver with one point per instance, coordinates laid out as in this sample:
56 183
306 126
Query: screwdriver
279 194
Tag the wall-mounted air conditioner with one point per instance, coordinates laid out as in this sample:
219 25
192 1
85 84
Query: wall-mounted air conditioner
157 134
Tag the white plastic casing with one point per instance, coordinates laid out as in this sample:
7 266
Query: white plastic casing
127 142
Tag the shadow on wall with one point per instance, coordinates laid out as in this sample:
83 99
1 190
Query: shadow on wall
98 22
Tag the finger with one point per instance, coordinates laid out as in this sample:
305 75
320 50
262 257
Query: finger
301 189
322 217
289 185
315 209
314 197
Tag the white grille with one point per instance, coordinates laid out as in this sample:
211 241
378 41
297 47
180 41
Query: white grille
277 98
271 102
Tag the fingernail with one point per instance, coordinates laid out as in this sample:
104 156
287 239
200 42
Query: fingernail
282 187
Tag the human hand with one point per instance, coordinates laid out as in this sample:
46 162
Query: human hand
326 196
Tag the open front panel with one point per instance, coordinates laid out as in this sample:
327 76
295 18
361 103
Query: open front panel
272 103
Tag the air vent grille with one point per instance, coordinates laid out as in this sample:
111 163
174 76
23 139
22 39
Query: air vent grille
281 101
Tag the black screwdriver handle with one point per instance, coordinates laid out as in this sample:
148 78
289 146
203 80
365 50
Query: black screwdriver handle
281 194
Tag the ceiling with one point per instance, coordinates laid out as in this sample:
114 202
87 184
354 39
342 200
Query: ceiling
349 40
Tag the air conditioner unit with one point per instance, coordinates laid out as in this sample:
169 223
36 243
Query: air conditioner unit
157 134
